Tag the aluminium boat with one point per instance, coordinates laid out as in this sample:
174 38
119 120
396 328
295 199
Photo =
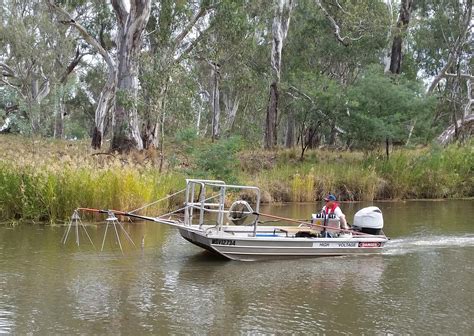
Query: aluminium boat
236 229
237 233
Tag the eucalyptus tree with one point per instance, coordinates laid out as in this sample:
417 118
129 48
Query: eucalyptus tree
36 60
329 45
280 26
382 107
226 62
93 36
406 7
443 48
173 31
131 19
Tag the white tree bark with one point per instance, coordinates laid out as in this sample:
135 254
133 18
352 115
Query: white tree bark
107 95
215 100
132 22
178 48
345 40
231 108
281 23
470 100
40 88
454 52
387 52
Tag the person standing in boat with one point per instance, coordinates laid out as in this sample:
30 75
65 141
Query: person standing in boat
332 207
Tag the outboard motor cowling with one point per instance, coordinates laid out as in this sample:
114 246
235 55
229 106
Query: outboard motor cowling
368 220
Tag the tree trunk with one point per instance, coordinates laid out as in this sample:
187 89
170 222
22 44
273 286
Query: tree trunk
106 101
152 131
40 88
132 22
271 121
281 22
231 108
468 107
215 100
59 118
402 25
387 51
449 134
333 135
455 49
107 95
290 130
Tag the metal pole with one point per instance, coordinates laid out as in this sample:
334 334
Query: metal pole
220 214
105 234
77 233
87 234
67 232
202 199
186 209
116 234
191 210
126 234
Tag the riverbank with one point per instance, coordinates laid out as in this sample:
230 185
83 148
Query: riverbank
45 180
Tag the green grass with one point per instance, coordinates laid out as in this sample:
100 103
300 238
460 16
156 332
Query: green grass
45 180
431 172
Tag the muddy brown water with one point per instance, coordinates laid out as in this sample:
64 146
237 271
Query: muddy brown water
423 283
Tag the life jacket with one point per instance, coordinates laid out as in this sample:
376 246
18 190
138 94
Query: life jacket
332 224
332 208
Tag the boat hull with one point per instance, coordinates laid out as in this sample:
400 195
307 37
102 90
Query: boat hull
242 245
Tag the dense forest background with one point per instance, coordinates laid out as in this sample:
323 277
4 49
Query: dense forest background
298 97
282 73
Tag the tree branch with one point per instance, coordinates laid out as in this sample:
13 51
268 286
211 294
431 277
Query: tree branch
455 49
70 68
337 29
321 113
121 11
186 30
465 76
139 14
7 71
189 26
190 47
85 35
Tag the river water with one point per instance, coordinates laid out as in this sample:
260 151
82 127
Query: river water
423 283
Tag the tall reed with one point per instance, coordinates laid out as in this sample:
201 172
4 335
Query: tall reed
431 172
46 180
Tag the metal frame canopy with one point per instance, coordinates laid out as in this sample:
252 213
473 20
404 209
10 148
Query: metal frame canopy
208 192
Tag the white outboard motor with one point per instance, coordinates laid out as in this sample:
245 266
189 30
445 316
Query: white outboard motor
368 220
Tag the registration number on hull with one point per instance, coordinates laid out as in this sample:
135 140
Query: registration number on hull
223 242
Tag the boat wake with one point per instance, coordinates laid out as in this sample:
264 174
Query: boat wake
421 243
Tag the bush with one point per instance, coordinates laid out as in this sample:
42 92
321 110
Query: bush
219 160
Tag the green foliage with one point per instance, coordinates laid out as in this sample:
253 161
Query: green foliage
209 160
219 160
339 84
383 107
186 140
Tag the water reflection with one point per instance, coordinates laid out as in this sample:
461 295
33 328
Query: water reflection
94 295
280 292
173 287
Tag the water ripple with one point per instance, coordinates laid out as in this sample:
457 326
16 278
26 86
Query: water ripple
421 243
